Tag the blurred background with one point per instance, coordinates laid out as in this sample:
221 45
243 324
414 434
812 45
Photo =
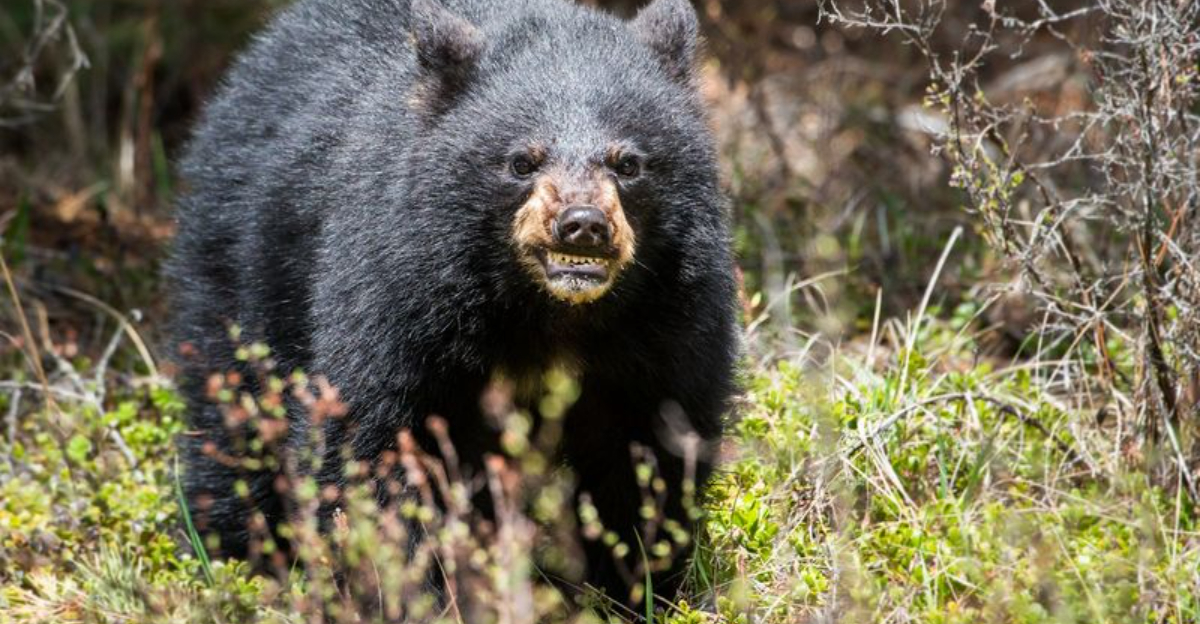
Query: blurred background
825 142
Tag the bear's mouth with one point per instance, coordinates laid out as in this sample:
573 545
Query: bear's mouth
574 277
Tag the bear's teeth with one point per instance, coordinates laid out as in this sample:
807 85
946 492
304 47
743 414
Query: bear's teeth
573 260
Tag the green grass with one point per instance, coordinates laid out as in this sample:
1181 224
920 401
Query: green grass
193 536
876 483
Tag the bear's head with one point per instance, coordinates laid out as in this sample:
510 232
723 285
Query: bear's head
576 139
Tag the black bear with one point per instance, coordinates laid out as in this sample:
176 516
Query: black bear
410 197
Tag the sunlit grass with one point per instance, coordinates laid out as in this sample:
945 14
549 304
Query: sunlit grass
865 482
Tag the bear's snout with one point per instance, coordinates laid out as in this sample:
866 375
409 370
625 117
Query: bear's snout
572 236
584 228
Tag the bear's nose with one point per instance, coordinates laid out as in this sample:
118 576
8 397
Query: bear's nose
582 226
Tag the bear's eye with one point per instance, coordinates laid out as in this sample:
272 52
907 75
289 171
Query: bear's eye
523 166
628 167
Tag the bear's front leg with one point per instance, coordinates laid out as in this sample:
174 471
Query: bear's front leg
639 471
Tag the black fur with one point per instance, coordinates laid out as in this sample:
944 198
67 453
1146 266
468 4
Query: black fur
350 206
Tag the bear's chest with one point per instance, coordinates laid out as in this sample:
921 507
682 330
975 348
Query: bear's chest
527 386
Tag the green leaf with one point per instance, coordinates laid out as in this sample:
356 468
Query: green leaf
79 448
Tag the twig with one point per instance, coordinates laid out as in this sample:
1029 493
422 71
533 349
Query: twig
49 392
136 338
45 32
102 363
11 419
15 386
31 350
115 435
959 397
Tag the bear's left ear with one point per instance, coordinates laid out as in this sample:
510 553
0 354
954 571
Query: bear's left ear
448 48
671 30
445 42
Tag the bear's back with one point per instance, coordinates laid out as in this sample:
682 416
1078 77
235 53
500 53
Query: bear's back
312 56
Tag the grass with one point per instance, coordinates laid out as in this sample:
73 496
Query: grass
899 478
193 536
960 511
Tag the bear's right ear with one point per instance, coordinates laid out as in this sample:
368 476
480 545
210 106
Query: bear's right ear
447 47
